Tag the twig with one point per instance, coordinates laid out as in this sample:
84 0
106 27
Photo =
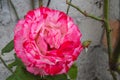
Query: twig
6 65
84 12
40 3
48 3
14 9
68 8
32 4
37 3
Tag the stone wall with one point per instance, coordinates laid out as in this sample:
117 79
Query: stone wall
93 65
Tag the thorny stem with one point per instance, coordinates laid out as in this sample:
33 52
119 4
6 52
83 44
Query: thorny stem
84 12
68 8
6 65
107 27
108 35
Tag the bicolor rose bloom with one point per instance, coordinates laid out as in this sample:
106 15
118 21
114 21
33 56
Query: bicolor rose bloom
47 41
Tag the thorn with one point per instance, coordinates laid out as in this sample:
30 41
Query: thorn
86 50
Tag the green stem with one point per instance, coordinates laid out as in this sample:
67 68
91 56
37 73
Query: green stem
84 12
8 68
40 3
14 9
68 8
6 65
108 35
32 4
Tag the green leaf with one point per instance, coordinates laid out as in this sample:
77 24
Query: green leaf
21 74
86 43
57 77
9 47
17 62
11 65
73 72
12 77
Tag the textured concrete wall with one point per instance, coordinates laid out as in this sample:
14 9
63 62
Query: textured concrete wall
92 65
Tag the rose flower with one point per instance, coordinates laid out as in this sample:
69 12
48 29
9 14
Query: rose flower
47 41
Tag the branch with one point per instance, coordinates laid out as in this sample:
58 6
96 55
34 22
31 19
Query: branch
37 3
40 3
14 9
48 3
6 65
68 8
84 12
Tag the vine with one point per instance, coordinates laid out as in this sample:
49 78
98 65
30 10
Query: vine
105 20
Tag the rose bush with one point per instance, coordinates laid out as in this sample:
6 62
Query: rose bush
47 41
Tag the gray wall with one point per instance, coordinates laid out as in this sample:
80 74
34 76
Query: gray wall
93 65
